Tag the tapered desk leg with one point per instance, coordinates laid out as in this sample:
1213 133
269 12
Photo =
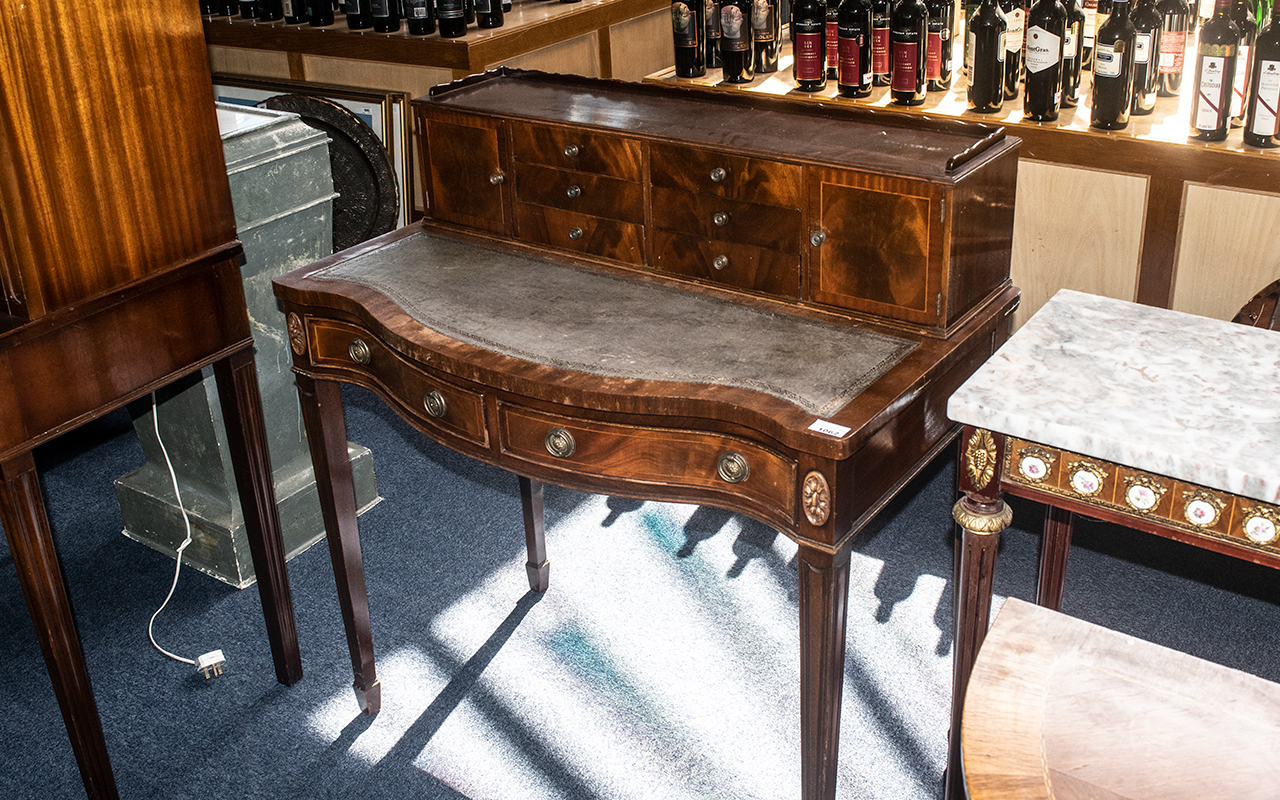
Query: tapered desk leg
824 599
31 543
535 534
251 461
1055 545
327 434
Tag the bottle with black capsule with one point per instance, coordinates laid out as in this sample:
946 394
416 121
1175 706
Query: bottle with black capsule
1216 53
1015 13
319 13
489 13
937 61
1175 21
270 10
1046 31
833 38
686 35
1262 115
419 17
809 44
1113 47
1242 15
986 31
908 42
359 14
386 15
737 62
711 39
1072 53
766 35
854 45
451 18
1146 43
880 25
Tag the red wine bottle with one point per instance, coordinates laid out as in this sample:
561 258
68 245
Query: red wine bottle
854 45
736 59
833 38
809 43
359 14
386 15
908 45
687 28
1242 15
880 24
1262 117
986 31
1072 53
1215 73
766 35
451 16
489 13
711 41
1147 22
1175 16
1046 30
1113 47
937 61
1015 13
419 17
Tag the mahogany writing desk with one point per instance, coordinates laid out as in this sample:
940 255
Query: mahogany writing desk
571 372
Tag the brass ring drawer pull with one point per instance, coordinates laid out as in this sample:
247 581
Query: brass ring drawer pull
559 443
575 233
574 191
435 404
720 262
571 150
720 219
359 351
733 467
718 174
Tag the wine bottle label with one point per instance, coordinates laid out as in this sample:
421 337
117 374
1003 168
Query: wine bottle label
906 59
1210 93
353 6
1241 80
484 6
762 26
1107 60
1013 34
1173 44
880 46
380 8
833 47
449 9
1266 102
1069 43
933 56
288 8
417 9
808 55
734 33
684 25
1142 49
850 53
1090 21
1044 50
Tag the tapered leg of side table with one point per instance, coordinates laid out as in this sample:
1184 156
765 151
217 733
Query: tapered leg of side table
1055 545
327 434
824 599
31 543
535 534
251 461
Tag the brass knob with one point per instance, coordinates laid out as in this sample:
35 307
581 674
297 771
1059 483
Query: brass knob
359 351
435 404
571 150
720 262
817 238
559 443
733 467
718 174
497 178
575 233
574 191
720 219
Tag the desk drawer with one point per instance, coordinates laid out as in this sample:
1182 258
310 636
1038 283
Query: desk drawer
740 266
581 233
658 456
581 192
436 404
741 178
576 149
729 220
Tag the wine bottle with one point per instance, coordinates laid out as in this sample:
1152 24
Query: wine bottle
880 22
1046 30
489 13
1242 15
1262 119
1113 46
319 13
1204 12
359 14
687 28
1015 13
736 60
249 10
451 17
986 31
711 41
386 15
295 12
1215 74
854 79
419 17
809 43
908 42
1175 16
469 11
506 6
1090 30
226 8
1072 54
937 62
270 10
1146 43
766 35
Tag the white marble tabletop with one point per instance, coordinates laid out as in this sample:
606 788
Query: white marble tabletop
1169 393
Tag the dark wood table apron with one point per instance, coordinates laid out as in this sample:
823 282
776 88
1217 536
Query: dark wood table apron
590 378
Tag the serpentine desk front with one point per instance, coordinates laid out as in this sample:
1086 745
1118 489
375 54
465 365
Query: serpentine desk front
587 376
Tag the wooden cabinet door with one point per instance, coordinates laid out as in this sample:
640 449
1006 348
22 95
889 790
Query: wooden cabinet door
884 247
467 174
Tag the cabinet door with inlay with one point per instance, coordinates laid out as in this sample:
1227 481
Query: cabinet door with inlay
468 182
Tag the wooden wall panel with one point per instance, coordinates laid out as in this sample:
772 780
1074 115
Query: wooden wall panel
1228 250
1075 229
577 56
642 46
373 75
239 61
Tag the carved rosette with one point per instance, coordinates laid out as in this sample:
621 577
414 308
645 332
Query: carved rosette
297 334
815 497
1143 492
1261 525
977 522
1202 508
980 458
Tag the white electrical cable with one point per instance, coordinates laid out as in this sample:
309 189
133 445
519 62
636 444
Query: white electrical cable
155 418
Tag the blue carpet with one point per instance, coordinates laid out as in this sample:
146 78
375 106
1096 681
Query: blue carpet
661 664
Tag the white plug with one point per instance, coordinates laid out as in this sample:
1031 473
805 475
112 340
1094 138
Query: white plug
210 664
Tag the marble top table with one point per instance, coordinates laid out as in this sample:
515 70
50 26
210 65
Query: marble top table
1154 419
